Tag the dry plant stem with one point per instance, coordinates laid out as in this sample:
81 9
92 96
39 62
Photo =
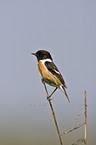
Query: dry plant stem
53 113
73 129
85 116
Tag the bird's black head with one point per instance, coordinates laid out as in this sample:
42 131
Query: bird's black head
42 54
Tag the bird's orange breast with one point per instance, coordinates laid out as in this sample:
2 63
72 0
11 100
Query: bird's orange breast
46 74
42 68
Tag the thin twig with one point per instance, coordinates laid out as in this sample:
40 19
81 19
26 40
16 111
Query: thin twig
39 105
73 129
85 116
53 113
82 113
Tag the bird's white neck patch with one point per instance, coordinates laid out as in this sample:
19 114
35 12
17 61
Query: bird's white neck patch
44 60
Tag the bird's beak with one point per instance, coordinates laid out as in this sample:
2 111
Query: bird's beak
33 54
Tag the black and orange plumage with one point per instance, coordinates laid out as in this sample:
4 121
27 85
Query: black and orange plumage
51 74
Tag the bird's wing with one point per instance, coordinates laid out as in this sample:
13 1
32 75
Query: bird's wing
54 70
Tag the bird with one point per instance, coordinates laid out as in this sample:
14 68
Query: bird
49 71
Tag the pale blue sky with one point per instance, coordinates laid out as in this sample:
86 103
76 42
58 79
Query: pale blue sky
67 29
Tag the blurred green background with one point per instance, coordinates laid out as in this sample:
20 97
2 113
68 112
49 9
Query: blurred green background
67 29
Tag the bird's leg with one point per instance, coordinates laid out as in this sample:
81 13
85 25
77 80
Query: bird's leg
52 93
43 80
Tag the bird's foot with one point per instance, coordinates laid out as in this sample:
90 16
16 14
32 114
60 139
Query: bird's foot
43 80
49 98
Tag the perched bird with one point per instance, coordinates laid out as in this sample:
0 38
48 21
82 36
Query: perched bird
49 72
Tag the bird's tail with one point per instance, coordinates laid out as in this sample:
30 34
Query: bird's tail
64 91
